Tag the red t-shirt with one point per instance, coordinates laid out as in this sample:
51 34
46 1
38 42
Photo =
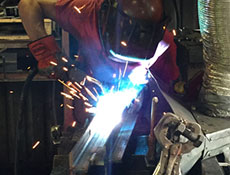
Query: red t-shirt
79 17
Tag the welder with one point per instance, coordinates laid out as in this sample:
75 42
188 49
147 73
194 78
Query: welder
113 35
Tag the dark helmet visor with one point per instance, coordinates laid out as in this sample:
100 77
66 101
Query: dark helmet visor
127 38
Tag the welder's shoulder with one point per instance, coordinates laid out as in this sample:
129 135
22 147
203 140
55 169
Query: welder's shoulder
74 15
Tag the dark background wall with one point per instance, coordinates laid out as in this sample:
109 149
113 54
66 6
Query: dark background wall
35 126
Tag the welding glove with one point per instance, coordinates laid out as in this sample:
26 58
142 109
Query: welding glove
51 61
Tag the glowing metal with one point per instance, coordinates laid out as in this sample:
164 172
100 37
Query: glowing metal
109 110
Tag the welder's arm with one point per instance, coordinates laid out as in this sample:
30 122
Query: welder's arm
43 47
33 12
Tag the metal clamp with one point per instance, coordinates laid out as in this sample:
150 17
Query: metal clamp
168 133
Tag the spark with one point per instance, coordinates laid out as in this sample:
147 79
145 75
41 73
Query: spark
126 64
83 97
90 94
64 59
88 104
36 144
174 32
11 92
114 75
69 106
65 69
119 78
90 110
79 9
123 43
28 68
95 81
112 88
53 63
74 94
67 96
76 83
83 82
61 105
76 56
164 27
74 124
72 85
95 90
67 85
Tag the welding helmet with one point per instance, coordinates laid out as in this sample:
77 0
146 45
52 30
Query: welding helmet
130 30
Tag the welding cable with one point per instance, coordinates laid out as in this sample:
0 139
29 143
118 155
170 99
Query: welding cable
178 22
19 119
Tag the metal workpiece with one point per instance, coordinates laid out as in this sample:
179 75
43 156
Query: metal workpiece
211 167
150 157
91 150
217 136
214 17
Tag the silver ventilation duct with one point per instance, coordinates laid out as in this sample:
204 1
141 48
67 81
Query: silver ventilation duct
214 20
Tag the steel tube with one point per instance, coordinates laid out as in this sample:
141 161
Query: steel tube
214 20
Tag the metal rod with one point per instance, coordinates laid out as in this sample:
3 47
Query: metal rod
151 138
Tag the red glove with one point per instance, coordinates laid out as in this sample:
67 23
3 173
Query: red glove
44 50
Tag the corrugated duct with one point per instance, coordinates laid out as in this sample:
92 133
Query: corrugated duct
214 20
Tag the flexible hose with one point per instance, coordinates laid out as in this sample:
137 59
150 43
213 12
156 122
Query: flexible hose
19 120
